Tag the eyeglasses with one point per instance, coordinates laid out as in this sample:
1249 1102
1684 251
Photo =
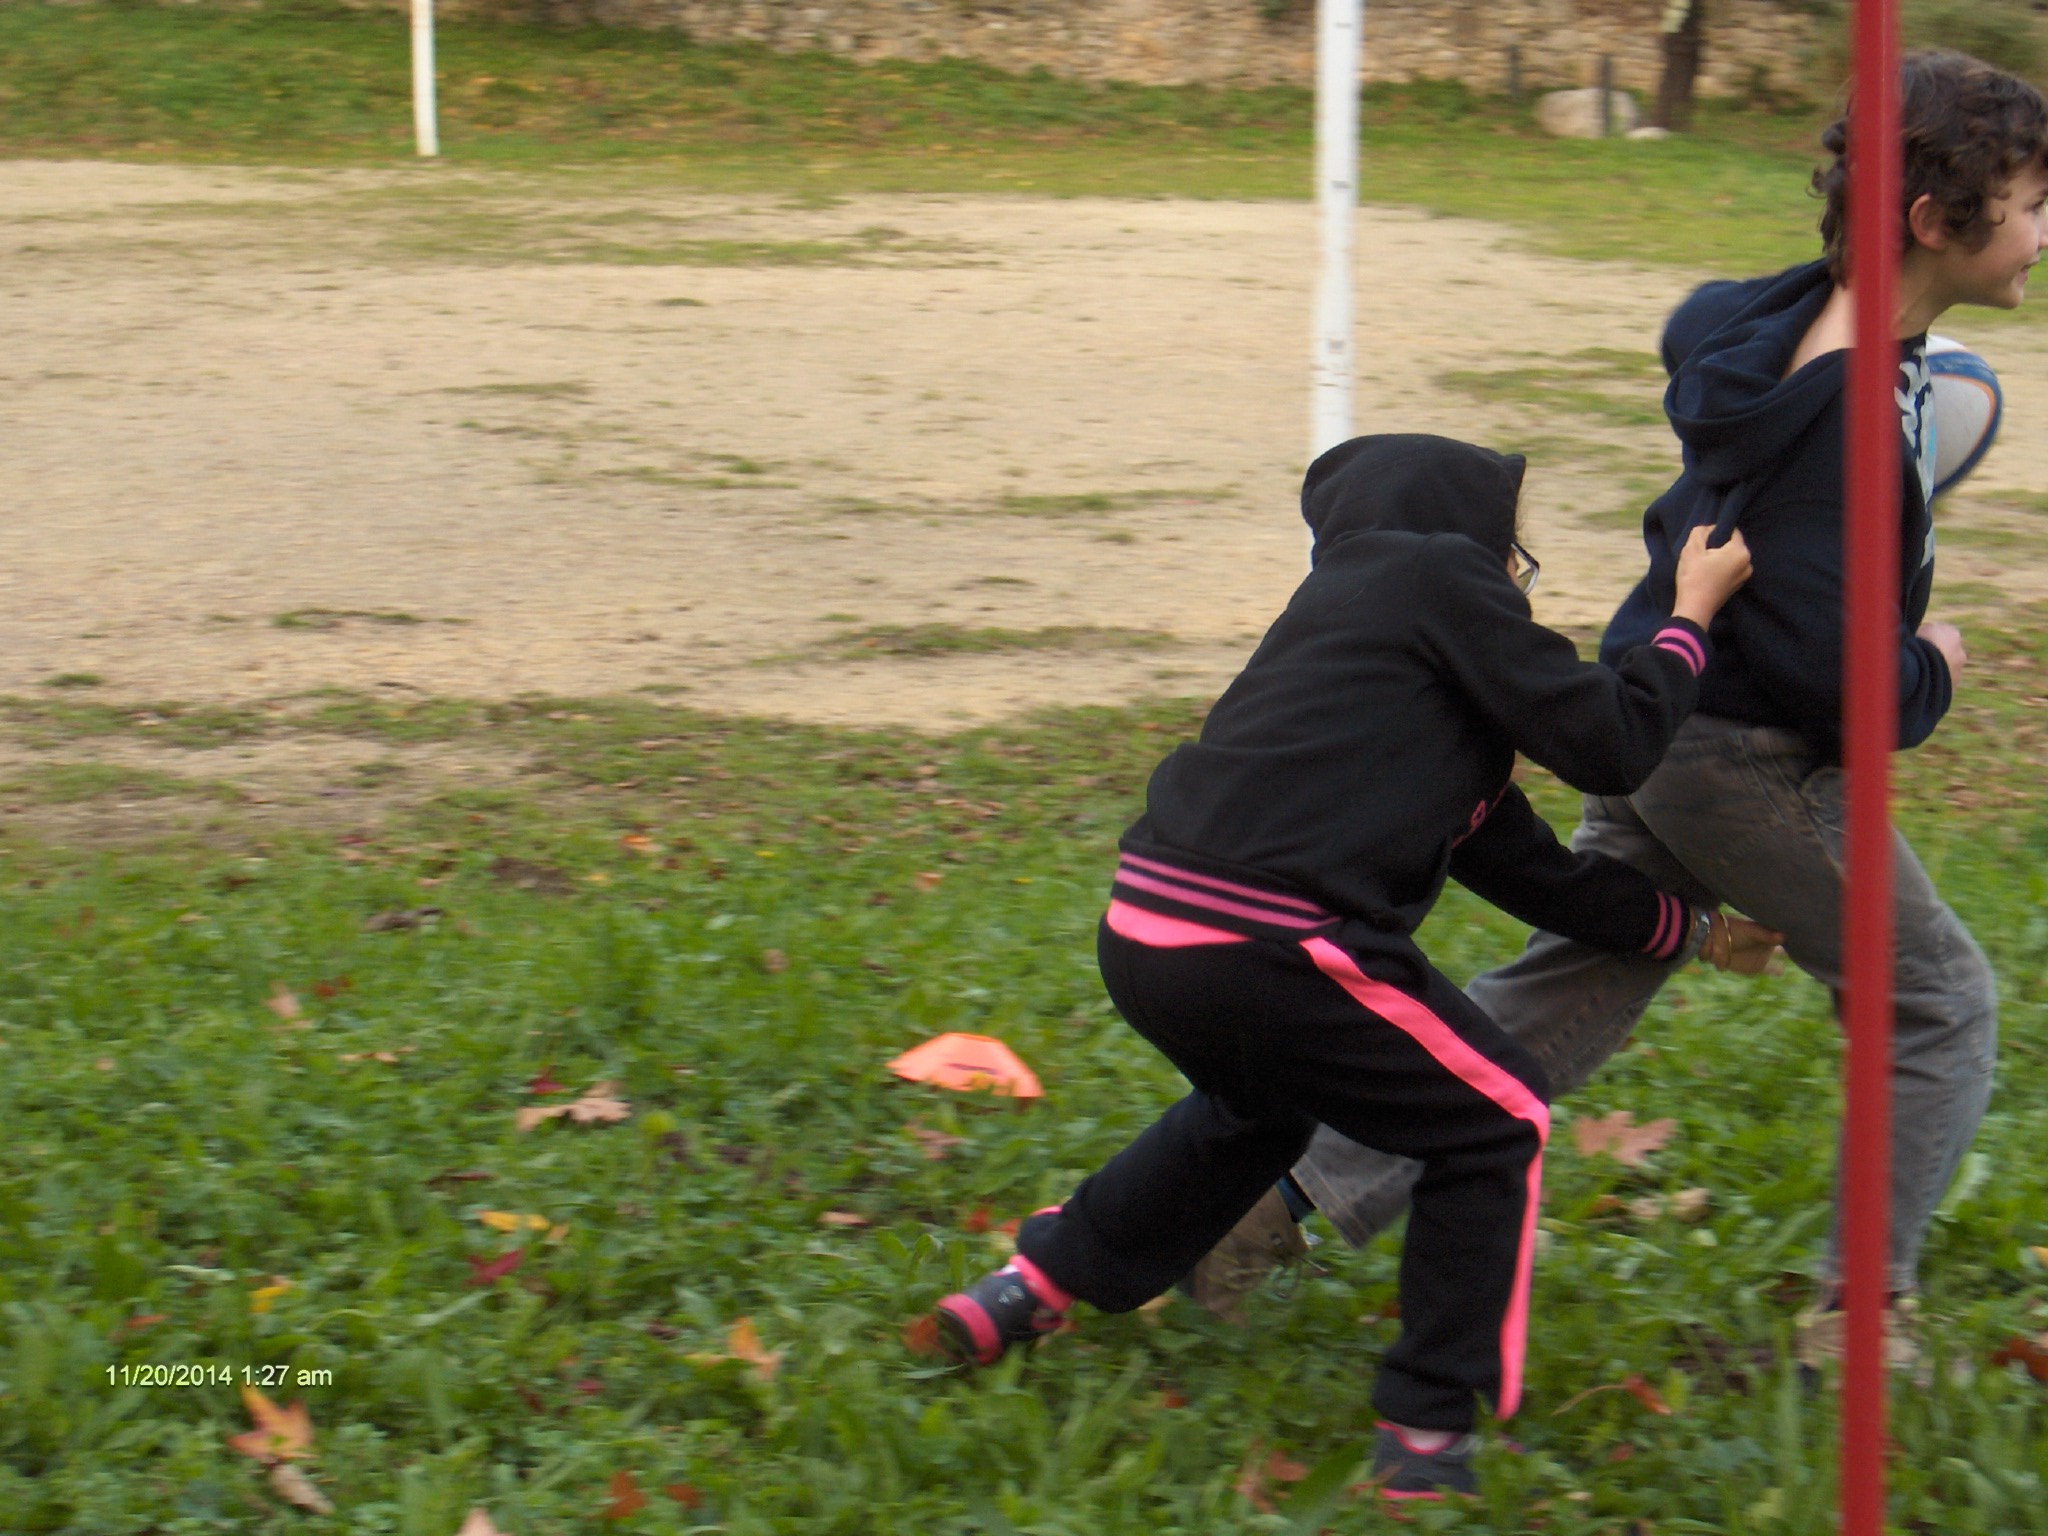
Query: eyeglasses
1522 567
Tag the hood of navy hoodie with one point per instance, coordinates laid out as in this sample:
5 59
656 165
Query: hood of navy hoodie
1748 434
1736 413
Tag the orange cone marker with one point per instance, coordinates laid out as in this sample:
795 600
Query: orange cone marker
967 1064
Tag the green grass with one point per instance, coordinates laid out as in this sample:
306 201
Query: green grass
738 924
309 84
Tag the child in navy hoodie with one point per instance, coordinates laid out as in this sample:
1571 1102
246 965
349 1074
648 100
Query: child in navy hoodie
1747 808
1260 927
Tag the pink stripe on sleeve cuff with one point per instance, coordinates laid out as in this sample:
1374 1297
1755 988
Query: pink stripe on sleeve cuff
1683 644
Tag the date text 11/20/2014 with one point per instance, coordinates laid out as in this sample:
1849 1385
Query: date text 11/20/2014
214 1374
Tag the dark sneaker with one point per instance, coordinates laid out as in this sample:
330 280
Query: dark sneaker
1403 1472
1015 1305
1266 1237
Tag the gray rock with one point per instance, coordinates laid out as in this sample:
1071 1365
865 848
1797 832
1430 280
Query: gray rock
1576 114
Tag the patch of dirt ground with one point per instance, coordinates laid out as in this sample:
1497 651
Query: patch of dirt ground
885 460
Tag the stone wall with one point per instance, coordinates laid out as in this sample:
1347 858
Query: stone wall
1250 42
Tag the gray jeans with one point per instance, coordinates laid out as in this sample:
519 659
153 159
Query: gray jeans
1745 817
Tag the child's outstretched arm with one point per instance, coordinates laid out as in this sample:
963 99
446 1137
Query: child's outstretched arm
1515 861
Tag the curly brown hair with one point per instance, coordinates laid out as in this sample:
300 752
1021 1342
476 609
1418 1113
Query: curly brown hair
1968 130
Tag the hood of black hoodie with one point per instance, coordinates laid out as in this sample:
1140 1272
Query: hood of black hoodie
1729 400
1412 483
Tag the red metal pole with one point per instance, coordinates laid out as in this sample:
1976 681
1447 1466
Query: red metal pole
1870 729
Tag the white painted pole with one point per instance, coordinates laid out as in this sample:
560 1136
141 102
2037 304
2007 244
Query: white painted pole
1340 30
425 134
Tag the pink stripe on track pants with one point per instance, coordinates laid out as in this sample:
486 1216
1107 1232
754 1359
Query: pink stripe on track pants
1365 1037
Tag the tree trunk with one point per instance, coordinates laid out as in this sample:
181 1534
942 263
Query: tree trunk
1684 43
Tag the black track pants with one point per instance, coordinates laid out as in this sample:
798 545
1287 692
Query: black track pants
1276 1036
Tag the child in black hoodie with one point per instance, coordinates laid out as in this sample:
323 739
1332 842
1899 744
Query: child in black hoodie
1260 926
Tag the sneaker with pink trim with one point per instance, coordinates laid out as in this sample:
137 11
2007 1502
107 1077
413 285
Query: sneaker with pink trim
1015 1305
1404 1471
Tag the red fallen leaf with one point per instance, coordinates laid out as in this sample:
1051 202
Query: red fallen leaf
1644 1393
921 1336
1009 1228
491 1271
1622 1452
1172 1399
334 988
977 1220
543 1081
589 1386
531 1398
1632 1384
1621 1138
626 1497
2021 1350
145 1320
684 1494
280 1433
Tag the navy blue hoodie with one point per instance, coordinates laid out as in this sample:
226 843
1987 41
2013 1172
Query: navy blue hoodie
1764 451
1364 753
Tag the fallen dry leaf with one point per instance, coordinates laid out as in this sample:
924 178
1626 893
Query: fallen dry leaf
1619 1137
596 1107
145 1320
774 961
927 880
327 989
281 1434
685 1494
400 919
626 1497
1639 1389
744 1343
294 1487
921 1336
478 1523
261 1298
491 1271
512 1221
1633 1384
640 843
842 1219
937 1145
2021 1350
282 1003
1256 1480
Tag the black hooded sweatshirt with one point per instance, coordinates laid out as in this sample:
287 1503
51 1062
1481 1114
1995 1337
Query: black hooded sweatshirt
1364 752
1764 450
